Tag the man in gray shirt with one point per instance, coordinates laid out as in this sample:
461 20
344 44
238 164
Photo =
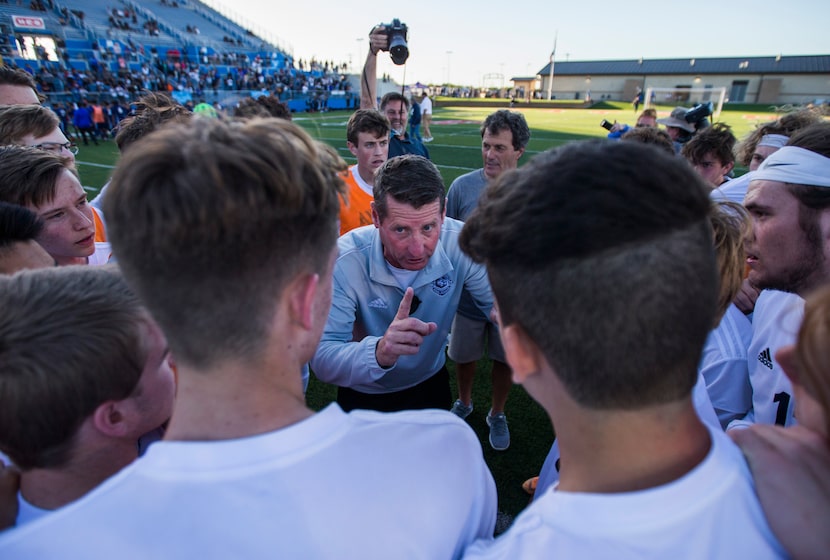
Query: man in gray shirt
504 136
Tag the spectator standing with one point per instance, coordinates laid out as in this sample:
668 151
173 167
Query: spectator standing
426 115
82 119
394 105
504 137
415 120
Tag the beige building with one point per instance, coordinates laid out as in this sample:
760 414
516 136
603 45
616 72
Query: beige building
775 80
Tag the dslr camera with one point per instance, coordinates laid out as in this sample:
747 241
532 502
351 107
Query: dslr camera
396 33
698 114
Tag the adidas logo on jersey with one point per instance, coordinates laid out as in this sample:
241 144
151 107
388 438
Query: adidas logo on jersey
378 303
765 358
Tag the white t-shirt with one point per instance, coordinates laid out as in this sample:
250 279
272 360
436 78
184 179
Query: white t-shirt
775 324
102 254
426 106
361 485
711 512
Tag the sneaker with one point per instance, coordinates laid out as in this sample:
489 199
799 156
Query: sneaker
461 410
429 139
499 434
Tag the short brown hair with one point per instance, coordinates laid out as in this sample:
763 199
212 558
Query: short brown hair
650 135
409 179
211 219
367 120
717 140
29 176
262 106
70 340
147 120
17 121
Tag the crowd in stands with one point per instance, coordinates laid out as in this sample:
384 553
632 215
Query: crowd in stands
237 72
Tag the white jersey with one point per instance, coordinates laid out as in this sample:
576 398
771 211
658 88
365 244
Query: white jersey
711 512
732 191
775 323
361 485
724 366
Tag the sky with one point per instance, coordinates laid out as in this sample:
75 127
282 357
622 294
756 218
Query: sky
484 42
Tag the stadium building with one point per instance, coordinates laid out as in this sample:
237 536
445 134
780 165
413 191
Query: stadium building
774 80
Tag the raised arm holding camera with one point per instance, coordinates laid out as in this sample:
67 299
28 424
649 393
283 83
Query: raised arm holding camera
389 37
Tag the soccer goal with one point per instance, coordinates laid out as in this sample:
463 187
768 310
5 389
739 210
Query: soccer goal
686 97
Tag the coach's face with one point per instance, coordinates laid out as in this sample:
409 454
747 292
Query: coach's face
409 235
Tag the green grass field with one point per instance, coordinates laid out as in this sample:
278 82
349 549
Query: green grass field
456 150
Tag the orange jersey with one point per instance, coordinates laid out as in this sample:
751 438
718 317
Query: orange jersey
100 232
355 205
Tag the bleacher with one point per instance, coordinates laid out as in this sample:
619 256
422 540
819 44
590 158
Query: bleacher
123 36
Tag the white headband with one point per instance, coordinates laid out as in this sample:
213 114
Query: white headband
773 140
795 165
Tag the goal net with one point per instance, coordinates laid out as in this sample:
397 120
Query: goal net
685 97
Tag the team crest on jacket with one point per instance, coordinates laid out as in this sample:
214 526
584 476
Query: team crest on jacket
442 285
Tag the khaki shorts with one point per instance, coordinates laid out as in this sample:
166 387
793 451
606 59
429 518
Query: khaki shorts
467 339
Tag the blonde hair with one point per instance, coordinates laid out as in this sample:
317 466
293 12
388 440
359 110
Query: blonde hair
730 226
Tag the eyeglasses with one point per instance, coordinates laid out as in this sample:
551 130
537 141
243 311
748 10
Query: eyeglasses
56 147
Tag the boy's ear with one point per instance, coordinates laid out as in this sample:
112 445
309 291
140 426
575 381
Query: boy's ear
110 419
303 291
521 352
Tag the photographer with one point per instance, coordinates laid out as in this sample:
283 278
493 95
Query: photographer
394 105
647 119
683 123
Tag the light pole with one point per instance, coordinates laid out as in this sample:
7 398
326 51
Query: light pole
449 54
357 58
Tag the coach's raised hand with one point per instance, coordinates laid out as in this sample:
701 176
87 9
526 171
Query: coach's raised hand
404 336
